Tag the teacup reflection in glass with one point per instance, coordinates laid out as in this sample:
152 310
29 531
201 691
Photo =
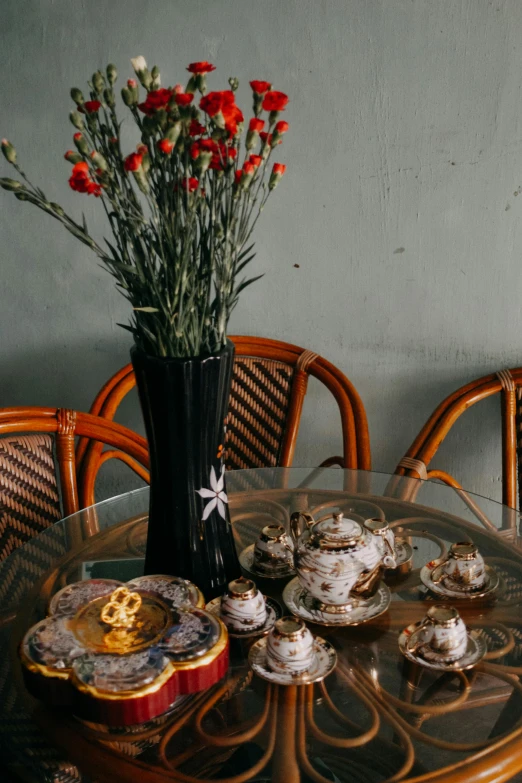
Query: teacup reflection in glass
290 646
465 565
273 552
243 607
443 631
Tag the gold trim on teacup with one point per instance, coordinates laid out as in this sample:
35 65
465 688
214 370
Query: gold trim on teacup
289 628
443 616
242 589
463 550
272 533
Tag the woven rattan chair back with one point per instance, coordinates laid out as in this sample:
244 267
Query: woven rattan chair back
269 385
38 473
415 463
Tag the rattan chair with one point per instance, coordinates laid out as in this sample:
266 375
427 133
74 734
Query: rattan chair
268 389
414 464
39 483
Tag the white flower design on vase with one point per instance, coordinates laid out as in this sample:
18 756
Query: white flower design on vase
216 494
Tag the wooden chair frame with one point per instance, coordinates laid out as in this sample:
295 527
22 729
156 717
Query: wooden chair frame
414 464
356 440
77 485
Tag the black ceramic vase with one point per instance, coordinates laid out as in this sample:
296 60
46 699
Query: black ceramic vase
184 404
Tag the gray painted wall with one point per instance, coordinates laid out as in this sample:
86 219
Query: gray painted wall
399 204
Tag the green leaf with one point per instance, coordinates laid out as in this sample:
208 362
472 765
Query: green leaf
146 309
244 284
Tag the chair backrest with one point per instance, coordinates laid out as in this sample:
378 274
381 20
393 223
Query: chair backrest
506 383
269 384
38 473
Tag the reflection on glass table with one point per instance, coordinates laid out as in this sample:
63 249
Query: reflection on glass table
377 717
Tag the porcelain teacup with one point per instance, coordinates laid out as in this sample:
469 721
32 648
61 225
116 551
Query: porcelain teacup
243 606
385 540
290 646
464 566
442 632
273 552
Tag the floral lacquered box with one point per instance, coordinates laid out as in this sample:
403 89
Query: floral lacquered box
121 654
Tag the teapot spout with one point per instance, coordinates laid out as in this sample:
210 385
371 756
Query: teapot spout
367 584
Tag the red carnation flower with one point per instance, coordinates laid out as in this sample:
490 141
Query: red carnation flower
215 102
196 129
133 161
265 137
248 167
237 176
156 100
233 116
91 107
190 184
260 87
184 98
81 182
77 136
132 83
202 67
281 126
142 149
256 124
80 168
274 101
279 168
93 189
256 160
70 153
165 146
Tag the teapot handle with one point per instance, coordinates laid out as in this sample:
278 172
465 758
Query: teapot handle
295 524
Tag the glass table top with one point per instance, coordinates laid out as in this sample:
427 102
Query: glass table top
377 717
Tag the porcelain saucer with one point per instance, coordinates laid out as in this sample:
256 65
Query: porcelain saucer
246 559
325 661
273 613
301 603
427 657
432 577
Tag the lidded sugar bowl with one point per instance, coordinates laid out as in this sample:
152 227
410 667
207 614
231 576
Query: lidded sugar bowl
339 560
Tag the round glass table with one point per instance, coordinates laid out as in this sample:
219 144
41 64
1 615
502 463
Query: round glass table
376 718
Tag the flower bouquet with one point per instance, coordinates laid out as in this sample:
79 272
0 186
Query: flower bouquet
182 207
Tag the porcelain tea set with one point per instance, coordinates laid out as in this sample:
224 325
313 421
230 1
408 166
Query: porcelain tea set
337 564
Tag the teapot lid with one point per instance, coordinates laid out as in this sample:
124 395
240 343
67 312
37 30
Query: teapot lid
338 531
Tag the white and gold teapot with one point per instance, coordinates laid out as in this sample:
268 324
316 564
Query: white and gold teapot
339 560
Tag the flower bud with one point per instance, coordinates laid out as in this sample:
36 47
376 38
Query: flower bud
203 161
108 96
10 184
140 67
112 73
99 161
127 97
173 132
81 143
192 84
72 156
234 83
156 78
98 81
77 120
9 151
77 95
141 181
21 195
278 170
